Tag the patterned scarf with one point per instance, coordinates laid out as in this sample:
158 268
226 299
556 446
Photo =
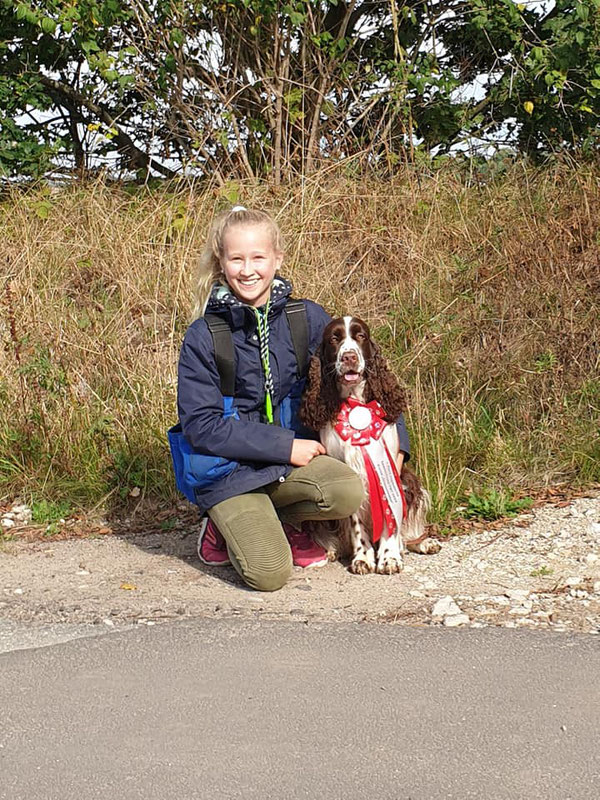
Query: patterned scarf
262 323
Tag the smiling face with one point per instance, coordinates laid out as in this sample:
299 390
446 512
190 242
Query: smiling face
249 262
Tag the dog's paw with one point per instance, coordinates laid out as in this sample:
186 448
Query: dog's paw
390 566
360 566
427 547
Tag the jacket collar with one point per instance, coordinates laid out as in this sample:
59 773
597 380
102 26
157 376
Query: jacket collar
223 302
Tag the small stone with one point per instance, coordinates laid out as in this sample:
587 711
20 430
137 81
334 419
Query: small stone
591 558
572 580
444 607
517 595
18 591
135 492
595 527
7 522
415 593
455 620
596 587
109 622
525 608
83 572
500 600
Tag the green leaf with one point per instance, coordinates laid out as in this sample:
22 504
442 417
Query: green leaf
48 25
177 36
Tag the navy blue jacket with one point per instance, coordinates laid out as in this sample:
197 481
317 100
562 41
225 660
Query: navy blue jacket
262 450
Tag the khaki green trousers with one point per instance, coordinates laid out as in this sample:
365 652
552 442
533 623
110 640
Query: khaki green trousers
251 523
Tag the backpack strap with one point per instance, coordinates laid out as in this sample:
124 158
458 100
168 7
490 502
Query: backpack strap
295 311
224 355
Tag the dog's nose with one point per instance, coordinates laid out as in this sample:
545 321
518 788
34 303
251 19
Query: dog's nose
350 359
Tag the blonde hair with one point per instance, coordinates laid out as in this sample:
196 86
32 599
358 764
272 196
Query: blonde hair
210 260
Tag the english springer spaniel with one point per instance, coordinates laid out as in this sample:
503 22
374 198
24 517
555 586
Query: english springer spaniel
353 400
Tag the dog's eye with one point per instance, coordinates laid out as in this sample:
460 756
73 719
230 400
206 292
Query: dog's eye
360 337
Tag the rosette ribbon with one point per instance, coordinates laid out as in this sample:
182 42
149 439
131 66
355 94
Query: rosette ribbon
362 424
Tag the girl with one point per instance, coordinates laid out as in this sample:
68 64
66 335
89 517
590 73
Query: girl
278 475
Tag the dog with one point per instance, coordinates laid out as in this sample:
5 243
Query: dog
346 374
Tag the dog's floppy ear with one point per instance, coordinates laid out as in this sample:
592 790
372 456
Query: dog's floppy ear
383 386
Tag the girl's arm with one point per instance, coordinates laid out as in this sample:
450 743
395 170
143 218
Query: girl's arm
200 406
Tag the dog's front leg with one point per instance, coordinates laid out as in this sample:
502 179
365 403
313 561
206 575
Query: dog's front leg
363 555
389 555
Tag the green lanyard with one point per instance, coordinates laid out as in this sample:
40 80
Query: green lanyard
263 339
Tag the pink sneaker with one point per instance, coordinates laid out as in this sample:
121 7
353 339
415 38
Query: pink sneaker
212 548
305 552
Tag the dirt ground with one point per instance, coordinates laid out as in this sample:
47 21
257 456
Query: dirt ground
541 570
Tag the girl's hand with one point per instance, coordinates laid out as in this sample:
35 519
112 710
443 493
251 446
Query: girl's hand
304 450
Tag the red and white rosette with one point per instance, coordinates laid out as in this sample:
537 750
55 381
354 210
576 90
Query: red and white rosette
362 424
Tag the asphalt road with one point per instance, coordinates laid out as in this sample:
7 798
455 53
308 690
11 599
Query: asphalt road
239 709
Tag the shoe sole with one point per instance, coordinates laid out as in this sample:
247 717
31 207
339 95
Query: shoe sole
312 564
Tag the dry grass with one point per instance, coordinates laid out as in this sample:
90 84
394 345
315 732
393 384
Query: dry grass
484 297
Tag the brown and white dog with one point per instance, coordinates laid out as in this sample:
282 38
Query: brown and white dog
348 368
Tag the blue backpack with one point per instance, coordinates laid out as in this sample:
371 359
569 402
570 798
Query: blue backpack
194 470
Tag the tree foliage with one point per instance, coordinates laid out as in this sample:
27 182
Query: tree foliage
267 87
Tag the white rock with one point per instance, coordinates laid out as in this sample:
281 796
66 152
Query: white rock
21 512
7 522
444 607
572 580
500 600
109 622
18 591
591 558
455 620
524 609
517 595
429 585
596 587
415 593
